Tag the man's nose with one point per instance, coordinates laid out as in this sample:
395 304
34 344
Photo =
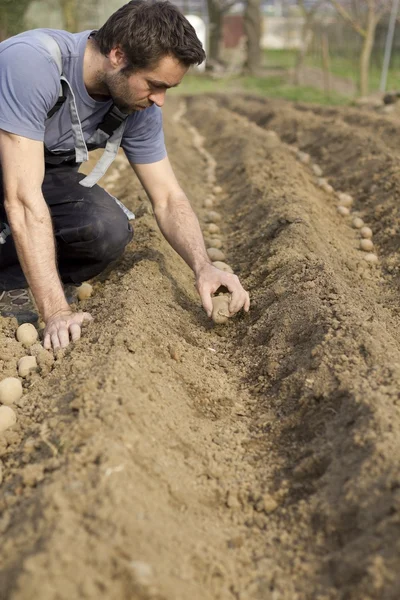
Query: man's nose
158 97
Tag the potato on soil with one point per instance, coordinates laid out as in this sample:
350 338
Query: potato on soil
27 334
222 266
8 418
366 233
220 312
303 157
216 243
357 223
343 210
213 228
84 291
26 364
215 254
366 245
217 189
213 217
10 390
345 199
317 170
208 203
371 257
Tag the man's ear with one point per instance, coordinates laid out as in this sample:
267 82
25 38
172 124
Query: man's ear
117 57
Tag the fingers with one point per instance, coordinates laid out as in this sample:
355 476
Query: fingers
75 331
60 331
206 301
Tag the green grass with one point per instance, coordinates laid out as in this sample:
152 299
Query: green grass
342 66
272 87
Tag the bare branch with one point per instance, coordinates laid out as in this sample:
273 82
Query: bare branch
347 17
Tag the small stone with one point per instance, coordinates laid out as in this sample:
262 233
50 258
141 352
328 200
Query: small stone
10 390
8 418
27 334
84 291
26 364
215 254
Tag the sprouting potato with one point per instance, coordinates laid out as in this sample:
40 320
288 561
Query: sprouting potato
84 291
220 313
366 245
26 364
8 418
27 334
343 210
10 390
366 232
357 223
215 254
213 228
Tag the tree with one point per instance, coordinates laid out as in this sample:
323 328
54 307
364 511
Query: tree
69 9
309 13
252 29
216 11
363 16
12 17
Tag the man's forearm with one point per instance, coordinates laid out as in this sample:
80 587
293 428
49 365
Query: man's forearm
181 229
31 227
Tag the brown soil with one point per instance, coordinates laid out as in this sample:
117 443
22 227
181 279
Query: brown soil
164 458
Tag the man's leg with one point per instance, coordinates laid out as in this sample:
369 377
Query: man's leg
90 230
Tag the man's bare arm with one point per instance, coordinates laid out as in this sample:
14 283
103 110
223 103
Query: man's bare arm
22 163
181 228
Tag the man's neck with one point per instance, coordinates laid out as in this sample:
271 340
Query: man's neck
93 64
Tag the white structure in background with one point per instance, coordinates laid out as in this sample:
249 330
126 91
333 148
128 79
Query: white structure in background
201 32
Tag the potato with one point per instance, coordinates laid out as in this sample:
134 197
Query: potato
327 188
27 334
213 217
303 157
215 254
216 243
345 199
317 170
371 257
217 189
8 418
220 312
10 390
366 245
357 223
84 291
366 233
208 203
213 228
26 364
222 266
342 210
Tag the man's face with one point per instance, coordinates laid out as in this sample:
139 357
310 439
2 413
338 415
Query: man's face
137 91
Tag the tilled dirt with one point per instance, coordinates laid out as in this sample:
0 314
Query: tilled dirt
165 458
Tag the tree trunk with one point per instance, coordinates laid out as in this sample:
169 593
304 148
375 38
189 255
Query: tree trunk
69 10
215 14
365 58
306 39
252 29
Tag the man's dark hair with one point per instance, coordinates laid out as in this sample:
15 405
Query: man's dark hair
147 31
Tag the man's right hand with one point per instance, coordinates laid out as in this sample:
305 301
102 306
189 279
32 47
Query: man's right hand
63 327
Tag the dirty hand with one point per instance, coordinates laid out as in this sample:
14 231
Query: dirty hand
209 279
62 326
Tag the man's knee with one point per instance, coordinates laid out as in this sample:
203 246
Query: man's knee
100 235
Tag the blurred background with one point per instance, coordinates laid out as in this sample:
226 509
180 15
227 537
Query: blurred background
327 51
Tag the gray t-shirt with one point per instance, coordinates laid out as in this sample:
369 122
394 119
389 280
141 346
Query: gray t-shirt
30 86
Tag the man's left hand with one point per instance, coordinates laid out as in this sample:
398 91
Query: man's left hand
209 279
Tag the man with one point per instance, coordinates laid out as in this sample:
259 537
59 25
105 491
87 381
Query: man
48 209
